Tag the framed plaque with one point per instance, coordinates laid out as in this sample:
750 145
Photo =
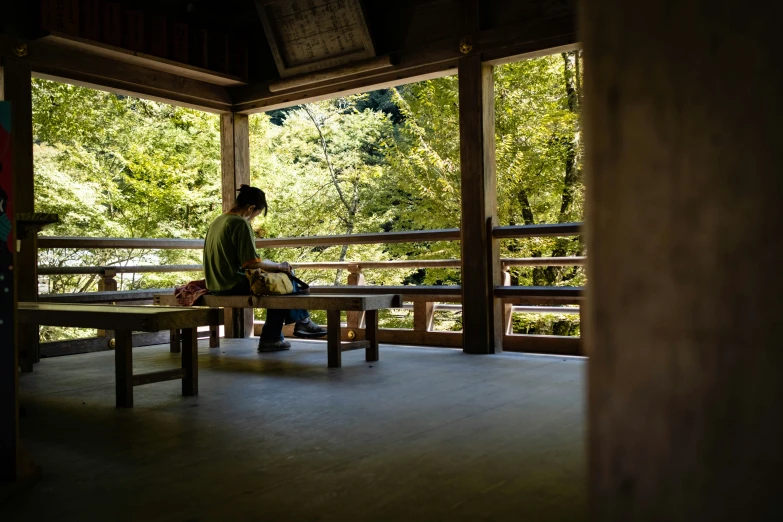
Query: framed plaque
311 35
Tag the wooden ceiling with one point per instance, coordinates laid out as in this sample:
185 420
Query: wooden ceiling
251 55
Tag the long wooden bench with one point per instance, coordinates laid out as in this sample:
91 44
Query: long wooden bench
125 320
332 303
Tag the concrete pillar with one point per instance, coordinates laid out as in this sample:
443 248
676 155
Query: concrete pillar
684 104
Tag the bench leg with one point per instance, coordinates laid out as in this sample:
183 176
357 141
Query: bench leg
214 336
371 334
123 367
174 343
333 342
190 361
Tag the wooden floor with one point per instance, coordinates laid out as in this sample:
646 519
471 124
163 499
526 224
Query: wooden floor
424 434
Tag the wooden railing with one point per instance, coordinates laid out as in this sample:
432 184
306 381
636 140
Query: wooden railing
424 300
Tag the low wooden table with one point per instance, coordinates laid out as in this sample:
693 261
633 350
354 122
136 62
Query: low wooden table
332 303
124 320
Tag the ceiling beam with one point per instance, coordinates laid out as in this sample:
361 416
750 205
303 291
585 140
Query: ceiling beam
425 62
74 66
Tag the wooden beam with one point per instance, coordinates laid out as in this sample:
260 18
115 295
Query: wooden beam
75 67
16 87
482 318
554 229
432 60
543 344
299 82
409 337
259 98
91 48
235 171
159 376
450 234
99 344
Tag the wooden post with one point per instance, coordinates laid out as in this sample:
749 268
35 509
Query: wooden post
333 341
371 335
423 315
190 361
16 87
482 319
9 348
107 283
123 368
235 169
214 336
683 112
355 278
175 341
508 314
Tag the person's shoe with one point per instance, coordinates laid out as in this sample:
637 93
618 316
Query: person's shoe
273 346
309 330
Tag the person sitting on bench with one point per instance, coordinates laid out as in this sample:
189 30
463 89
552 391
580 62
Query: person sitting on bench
229 249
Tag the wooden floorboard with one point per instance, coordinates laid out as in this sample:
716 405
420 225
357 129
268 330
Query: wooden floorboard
422 434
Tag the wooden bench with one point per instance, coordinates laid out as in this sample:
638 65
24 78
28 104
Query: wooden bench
125 297
124 320
332 303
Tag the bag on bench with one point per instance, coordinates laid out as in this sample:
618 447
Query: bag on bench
275 283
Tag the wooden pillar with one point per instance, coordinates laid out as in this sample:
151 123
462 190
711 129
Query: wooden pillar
9 349
15 87
683 111
235 169
482 319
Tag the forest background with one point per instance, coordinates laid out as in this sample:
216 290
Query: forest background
387 160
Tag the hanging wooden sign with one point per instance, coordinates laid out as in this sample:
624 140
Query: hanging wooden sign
311 35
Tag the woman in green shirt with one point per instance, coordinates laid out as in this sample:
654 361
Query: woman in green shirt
229 250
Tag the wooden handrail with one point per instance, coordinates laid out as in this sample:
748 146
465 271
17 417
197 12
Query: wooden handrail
564 292
86 243
414 236
327 265
145 269
557 229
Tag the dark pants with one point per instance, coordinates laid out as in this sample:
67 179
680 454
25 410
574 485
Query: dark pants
275 318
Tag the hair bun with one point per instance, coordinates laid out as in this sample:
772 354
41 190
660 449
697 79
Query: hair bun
243 188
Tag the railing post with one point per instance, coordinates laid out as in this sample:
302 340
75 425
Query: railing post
355 278
508 315
107 283
423 315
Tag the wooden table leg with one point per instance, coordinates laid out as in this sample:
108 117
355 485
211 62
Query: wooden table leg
174 343
371 334
190 361
333 342
214 336
123 367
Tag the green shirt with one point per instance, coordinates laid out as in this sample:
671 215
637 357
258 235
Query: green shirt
230 243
